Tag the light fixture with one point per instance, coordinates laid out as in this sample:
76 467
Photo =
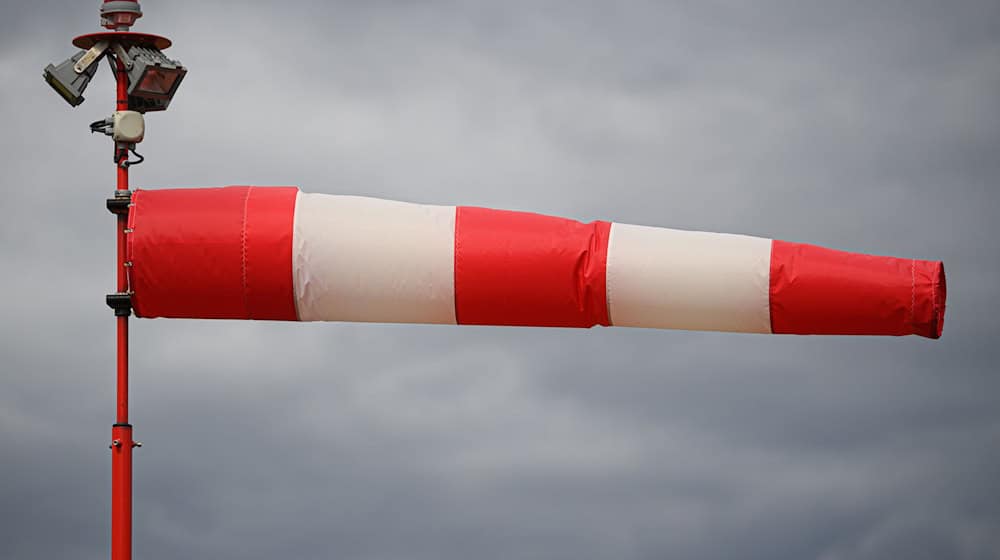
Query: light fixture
70 77
119 15
153 78
150 78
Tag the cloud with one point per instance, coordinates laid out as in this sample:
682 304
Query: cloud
864 127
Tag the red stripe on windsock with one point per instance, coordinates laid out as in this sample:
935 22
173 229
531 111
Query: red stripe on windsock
814 290
223 253
518 268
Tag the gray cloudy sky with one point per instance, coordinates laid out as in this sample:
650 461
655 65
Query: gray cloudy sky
868 126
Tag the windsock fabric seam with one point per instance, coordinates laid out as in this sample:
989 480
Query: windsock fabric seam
913 294
934 287
243 262
129 252
770 287
608 271
294 264
600 247
456 274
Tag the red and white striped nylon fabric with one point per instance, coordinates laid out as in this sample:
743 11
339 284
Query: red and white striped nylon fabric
280 254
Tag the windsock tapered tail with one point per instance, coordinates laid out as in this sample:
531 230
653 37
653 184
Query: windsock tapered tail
279 254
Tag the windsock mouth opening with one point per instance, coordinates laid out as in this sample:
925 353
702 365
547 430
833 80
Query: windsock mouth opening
930 292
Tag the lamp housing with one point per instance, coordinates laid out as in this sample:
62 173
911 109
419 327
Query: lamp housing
67 82
153 78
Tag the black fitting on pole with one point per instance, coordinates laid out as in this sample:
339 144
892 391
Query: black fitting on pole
121 303
119 205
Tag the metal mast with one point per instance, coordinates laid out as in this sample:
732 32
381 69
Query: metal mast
146 80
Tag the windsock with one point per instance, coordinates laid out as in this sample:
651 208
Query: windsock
276 253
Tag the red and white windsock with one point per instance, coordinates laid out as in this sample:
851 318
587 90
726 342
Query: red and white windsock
279 254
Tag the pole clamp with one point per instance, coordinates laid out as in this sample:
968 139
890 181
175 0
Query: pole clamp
121 303
120 204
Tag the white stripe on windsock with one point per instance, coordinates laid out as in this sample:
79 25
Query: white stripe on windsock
673 279
371 260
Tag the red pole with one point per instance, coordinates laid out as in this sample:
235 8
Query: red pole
121 432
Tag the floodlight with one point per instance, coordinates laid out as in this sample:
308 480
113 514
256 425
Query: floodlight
67 80
153 78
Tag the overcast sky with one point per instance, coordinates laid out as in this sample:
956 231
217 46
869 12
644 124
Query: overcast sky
866 126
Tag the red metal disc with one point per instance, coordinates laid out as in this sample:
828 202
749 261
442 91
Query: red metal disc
124 37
